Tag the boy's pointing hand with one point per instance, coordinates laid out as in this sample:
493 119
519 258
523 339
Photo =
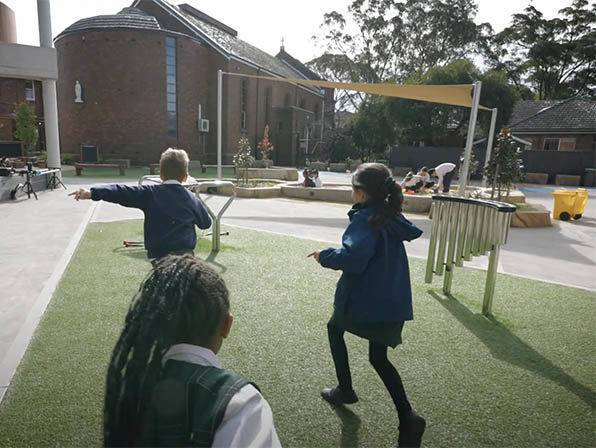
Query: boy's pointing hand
316 255
81 193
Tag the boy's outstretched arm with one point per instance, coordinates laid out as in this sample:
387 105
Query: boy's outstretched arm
124 195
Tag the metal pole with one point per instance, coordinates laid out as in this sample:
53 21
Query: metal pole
489 143
50 104
219 122
470 139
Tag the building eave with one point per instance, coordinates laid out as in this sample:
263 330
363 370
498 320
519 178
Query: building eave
553 131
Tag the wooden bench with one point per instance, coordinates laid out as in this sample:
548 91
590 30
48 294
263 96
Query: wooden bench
125 162
79 167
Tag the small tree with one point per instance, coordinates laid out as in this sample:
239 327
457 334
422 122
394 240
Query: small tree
505 166
265 147
26 127
243 160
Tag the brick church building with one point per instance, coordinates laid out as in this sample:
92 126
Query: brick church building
137 82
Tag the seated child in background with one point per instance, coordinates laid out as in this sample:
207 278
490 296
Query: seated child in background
316 178
308 182
165 385
412 182
423 173
171 211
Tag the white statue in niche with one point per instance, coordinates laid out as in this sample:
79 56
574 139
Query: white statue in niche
78 92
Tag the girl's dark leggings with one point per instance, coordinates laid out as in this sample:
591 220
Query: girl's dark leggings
377 355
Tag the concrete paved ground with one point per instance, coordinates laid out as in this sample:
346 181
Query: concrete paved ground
37 238
564 253
34 237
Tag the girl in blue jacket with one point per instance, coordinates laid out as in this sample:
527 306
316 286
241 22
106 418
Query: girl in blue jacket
373 298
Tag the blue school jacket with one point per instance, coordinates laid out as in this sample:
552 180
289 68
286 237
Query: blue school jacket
171 213
375 284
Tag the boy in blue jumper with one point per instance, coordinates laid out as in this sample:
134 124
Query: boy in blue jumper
171 211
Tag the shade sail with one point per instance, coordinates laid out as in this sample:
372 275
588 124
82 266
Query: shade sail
453 94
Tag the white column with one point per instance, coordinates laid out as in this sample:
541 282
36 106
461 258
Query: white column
463 178
489 143
219 122
50 104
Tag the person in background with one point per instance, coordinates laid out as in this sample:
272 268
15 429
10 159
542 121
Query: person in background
165 384
373 298
308 182
444 174
412 182
423 173
316 178
171 211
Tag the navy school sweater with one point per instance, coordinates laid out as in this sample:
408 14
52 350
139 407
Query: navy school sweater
375 283
171 213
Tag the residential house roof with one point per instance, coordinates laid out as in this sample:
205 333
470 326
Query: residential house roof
569 116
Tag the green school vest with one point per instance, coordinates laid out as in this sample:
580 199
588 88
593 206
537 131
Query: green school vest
188 405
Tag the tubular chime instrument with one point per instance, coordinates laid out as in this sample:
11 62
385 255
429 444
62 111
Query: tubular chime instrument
464 228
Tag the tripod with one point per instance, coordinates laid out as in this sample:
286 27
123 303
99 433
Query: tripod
54 181
27 187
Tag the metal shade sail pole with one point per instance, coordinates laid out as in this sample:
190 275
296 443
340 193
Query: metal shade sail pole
219 122
463 178
489 144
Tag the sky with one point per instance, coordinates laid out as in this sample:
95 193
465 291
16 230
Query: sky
262 23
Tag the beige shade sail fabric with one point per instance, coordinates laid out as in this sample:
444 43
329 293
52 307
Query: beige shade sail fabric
453 94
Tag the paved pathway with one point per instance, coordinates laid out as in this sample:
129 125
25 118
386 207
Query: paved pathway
38 237
34 242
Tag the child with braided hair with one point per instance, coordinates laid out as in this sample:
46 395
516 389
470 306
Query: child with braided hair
165 385
373 298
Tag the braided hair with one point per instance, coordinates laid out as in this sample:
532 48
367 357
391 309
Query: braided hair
376 180
183 300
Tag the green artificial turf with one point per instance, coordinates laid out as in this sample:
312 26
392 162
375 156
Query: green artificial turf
135 172
525 378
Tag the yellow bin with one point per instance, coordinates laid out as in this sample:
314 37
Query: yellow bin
570 203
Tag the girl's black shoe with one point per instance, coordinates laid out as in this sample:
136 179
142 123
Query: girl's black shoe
410 431
336 396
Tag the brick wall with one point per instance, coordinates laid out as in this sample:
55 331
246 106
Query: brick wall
12 92
123 77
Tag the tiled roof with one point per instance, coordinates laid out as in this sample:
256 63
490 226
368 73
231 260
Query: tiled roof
574 114
237 47
127 18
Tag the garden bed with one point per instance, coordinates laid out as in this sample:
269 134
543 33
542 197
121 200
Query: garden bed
531 215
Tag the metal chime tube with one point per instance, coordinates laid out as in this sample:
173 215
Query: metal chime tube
449 263
444 228
491 278
436 210
470 231
464 218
